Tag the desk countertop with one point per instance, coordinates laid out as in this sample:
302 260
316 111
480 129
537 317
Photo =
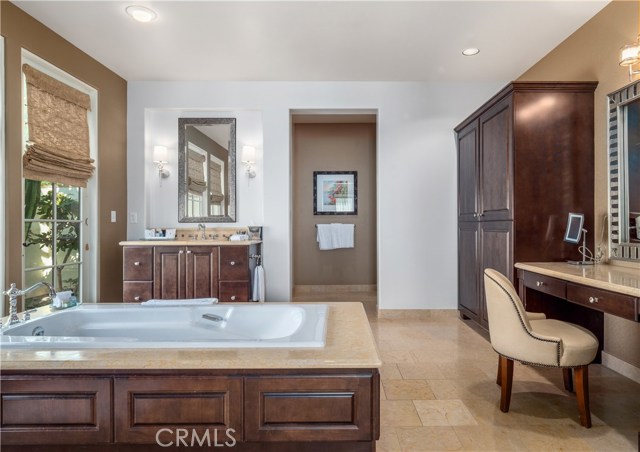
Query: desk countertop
350 344
624 280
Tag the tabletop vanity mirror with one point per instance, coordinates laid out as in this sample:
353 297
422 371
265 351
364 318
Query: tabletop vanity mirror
624 172
207 167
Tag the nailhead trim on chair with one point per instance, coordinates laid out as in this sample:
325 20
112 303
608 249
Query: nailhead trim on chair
524 326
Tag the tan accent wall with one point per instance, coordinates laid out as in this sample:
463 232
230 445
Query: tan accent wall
592 53
22 31
334 147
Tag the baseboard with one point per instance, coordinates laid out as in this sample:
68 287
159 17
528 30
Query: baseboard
416 313
622 367
342 288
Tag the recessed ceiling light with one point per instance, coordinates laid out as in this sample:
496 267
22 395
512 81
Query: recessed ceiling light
470 51
141 13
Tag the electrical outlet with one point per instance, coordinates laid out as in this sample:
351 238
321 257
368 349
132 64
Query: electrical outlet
133 217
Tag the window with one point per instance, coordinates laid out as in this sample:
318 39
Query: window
59 222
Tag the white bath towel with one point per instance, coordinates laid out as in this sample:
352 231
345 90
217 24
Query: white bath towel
191 302
342 235
324 237
258 284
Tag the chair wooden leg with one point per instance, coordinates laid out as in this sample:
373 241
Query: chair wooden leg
499 377
506 378
582 394
568 379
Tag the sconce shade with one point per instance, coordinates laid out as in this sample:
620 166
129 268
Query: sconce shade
248 154
160 154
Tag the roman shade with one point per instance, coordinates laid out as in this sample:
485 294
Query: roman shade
58 143
215 174
195 172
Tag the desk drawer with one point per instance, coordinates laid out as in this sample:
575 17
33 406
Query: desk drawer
602 300
546 284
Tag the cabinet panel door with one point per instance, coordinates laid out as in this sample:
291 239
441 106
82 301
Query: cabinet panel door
468 172
468 273
496 242
496 171
202 272
169 269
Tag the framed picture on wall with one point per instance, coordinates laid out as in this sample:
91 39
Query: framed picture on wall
335 192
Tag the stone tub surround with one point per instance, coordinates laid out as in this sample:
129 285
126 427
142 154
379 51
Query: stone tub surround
349 345
624 280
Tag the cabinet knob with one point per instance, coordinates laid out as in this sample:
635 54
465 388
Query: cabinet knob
181 252
233 297
232 263
136 298
137 264
593 299
539 283
188 251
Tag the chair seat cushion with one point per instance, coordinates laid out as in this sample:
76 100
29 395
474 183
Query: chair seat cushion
579 345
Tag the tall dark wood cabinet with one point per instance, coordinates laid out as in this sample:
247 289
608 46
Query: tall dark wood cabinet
525 160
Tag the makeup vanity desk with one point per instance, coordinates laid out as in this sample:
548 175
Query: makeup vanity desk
580 294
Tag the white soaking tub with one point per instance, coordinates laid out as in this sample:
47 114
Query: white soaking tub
135 326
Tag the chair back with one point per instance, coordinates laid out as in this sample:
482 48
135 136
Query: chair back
509 327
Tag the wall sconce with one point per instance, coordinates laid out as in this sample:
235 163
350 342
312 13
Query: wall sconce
160 159
630 54
249 159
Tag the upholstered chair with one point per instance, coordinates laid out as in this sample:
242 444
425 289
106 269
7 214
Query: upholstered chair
531 338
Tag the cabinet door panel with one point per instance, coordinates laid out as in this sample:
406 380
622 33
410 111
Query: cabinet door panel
468 289
496 178
169 268
202 272
496 241
468 172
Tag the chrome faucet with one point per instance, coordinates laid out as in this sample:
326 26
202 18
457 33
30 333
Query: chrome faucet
202 227
13 293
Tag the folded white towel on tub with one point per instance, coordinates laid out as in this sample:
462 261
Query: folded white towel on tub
192 302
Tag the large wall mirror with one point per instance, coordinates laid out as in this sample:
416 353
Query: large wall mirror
624 172
207 166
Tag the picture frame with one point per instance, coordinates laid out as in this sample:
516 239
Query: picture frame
335 192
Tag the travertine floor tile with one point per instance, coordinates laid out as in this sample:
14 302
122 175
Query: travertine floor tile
427 371
407 390
398 413
428 438
443 413
388 441
482 438
390 372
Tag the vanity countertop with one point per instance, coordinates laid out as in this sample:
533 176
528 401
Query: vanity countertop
350 344
152 242
625 280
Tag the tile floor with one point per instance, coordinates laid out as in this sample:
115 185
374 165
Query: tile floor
439 393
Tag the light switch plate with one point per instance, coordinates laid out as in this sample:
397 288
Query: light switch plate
113 216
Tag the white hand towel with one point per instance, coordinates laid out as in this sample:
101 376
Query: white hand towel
343 235
192 302
324 237
258 284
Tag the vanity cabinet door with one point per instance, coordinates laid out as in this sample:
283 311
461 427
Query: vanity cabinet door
201 272
169 272
468 274
55 410
234 263
137 263
137 291
468 141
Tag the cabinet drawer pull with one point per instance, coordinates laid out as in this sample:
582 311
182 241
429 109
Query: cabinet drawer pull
593 299
137 264
181 252
188 251
539 283
136 298
233 297
232 263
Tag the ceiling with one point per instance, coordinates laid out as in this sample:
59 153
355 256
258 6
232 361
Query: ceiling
317 40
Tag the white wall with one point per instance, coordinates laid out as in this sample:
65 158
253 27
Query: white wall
416 163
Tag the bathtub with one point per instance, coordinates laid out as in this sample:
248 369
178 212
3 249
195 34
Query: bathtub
135 326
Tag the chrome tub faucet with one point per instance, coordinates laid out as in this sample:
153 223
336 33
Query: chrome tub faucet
13 293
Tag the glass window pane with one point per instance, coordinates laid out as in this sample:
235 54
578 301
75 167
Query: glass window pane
68 278
39 249
67 243
38 200
40 296
67 202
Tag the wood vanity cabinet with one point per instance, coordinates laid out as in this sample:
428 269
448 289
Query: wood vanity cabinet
179 272
525 160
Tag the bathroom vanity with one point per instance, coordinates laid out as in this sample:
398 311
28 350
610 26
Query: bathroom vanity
273 399
185 269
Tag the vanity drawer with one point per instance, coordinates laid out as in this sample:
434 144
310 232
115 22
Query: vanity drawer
234 291
546 284
136 292
602 300
138 264
234 263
